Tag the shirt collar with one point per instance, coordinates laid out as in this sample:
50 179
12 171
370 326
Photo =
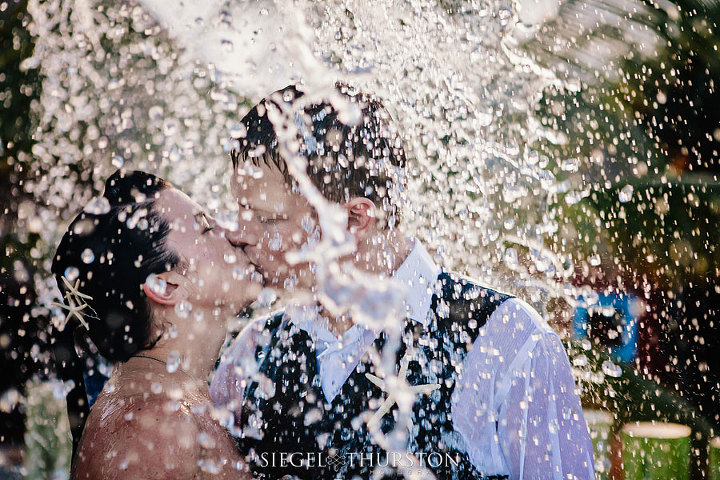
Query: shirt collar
417 274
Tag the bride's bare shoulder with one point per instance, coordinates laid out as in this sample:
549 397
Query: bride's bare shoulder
132 437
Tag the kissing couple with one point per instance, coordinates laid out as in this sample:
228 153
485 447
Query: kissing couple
480 386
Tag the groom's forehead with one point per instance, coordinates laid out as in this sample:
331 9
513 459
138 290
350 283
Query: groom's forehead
263 188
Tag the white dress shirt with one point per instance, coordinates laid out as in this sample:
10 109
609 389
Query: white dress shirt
515 405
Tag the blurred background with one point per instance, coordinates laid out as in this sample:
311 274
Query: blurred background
566 151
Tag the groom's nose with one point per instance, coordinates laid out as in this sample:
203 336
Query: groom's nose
242 237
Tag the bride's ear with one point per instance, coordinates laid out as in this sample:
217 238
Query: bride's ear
168 293
361 216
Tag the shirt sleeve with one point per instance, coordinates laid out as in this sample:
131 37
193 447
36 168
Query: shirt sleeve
237 366
518 400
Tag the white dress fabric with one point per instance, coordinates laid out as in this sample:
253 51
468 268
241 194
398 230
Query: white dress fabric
515 406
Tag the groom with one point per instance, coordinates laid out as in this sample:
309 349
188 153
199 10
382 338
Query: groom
490 384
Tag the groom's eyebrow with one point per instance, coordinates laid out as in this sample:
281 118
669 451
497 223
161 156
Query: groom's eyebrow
267 213
264 210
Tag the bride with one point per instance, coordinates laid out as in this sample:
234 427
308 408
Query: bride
152 279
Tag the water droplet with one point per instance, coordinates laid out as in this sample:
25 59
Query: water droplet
250 170
349 113
87 256
267 297
83 227
289 283
307 224
9 400
156 284
209 466
206 441
170 128
238 130
580 361
511 257
239 273
155 112
230 258
314 415
592 297
156 388
611 370
71 273
626 194
227 220
183 309
118 161
570 165
173 361
227 45
97 206
485 118
275 242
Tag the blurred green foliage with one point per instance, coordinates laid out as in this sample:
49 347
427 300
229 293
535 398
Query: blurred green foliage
646 137
48 444
635 145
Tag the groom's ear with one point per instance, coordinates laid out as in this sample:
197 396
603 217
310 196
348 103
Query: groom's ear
361 216
166 291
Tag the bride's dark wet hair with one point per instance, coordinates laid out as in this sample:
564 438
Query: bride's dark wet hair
110 249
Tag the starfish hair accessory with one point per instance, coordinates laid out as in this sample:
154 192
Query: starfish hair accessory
75 305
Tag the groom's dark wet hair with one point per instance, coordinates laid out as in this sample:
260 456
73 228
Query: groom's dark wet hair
350 144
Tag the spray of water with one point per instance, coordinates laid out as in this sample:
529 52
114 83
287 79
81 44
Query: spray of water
134 85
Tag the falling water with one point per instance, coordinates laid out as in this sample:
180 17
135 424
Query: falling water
162 89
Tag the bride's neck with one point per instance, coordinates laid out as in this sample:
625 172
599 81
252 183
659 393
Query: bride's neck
189 345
